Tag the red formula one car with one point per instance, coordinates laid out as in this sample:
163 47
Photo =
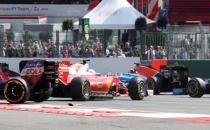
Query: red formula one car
78 81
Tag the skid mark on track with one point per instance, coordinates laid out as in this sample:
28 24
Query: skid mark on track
105 112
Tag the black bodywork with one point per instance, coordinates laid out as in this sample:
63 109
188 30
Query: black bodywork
34 82
169 77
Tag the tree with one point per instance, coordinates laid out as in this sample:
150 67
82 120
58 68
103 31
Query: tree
141 25
27 36
67 25
162 22
10 35
44 36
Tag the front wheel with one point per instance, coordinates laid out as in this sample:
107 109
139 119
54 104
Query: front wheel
16 91
80 89
196 87
136 89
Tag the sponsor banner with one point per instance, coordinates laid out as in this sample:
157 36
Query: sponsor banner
40 9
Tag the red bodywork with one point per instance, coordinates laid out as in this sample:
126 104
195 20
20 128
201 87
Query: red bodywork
98 83
152 69
5 75
31 71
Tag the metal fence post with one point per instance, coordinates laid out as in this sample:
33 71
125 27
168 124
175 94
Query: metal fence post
1 43
57 44
202 42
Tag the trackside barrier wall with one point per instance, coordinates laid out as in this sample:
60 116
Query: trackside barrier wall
197 68
100 65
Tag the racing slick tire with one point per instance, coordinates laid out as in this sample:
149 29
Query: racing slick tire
196 87
16 91
80 89
42 94
136 89
154 83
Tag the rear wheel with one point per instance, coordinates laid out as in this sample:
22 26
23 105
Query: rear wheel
153 83
80 89
196 87
136 89
16 91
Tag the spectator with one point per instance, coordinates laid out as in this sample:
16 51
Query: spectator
64 52
54 50
127 50
9 51
20 51
27 51
184 54
111 53
150 53
39 50
74 51
159 53
4 50
88 52
136 52
82 51
14 49
34 51
50 50
120 53
98 50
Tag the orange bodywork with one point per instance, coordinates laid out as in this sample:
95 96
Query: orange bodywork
152 69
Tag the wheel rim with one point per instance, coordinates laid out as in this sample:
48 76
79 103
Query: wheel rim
141 89
193 88
86 90
14 91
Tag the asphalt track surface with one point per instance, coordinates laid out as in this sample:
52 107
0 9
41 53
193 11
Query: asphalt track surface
162 112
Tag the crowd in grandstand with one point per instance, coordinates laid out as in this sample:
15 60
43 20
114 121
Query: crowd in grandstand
51 50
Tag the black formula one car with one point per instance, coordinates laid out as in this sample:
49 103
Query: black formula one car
197 87
169 77
34 82
5 75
